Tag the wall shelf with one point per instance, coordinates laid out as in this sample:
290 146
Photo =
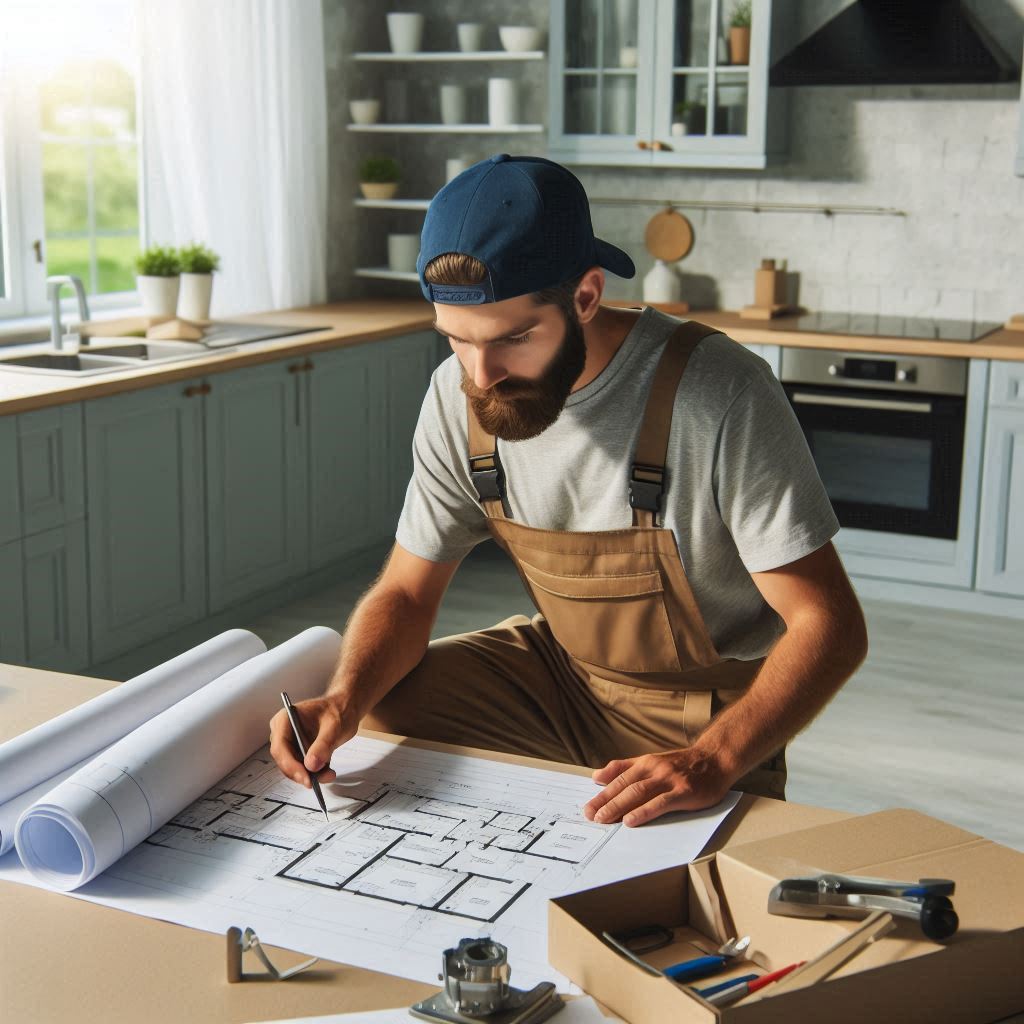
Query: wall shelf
463 129
393 204
387 275
455 55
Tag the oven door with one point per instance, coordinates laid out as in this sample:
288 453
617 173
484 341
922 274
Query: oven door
889 462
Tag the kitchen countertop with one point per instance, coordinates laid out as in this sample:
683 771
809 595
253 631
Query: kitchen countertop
358 322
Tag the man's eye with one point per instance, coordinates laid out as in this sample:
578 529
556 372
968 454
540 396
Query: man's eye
520 340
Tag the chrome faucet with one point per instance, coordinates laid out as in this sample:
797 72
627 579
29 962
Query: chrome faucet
53 289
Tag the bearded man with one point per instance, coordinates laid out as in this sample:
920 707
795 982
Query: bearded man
652 486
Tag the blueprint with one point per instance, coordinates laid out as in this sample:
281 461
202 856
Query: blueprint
422 849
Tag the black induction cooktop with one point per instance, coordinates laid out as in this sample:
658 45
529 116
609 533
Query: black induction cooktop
874 325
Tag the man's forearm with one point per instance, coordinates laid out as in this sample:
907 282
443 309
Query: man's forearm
804 670
376 653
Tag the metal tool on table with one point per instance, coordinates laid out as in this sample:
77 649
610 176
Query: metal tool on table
926 901
475 975
688 970
240 942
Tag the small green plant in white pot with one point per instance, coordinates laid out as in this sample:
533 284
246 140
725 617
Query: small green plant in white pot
157 274
379 177
197 266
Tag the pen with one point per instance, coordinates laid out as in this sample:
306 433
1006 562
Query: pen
289 709
730 991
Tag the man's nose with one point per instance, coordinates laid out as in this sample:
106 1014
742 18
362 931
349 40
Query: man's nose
487 369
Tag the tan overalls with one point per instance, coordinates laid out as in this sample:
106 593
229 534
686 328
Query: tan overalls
619 661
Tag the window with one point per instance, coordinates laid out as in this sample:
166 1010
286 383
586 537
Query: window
69 151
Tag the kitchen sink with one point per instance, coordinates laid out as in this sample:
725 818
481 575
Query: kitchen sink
148 350
110 356
61 362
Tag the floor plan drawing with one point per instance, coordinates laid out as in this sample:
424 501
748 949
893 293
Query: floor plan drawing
421 849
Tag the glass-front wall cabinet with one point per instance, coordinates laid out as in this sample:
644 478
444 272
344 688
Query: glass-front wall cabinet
660 82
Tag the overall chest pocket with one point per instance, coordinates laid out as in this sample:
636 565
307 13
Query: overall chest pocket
617 621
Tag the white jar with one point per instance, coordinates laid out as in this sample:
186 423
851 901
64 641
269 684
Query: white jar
402 253
502 102
662 284
453 104
471 36
405 32
453 167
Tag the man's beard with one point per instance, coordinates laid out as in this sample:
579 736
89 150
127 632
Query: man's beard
516 410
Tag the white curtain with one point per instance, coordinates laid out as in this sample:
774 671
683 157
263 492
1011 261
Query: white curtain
234 137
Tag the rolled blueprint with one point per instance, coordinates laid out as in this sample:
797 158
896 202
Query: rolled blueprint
106 808
44 756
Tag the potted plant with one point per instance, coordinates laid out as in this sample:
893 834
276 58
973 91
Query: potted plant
197 266
691 117
739 33
379 177
157 273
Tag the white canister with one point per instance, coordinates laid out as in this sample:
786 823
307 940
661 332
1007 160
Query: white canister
194 297
502 102
453 104
158 295
453 167
662 284
471 36
364 111
405 31
402 253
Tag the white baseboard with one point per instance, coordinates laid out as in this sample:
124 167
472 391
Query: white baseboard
954 598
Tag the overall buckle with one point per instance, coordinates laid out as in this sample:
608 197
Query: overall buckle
646 485
485 472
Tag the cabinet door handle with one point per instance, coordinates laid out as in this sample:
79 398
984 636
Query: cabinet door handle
307 365
642 144
659 146
197 389
295 367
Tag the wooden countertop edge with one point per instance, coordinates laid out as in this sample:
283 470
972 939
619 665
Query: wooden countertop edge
1001 344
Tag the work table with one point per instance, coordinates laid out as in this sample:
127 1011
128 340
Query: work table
362 321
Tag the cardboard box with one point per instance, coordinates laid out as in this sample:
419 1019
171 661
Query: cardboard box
977 976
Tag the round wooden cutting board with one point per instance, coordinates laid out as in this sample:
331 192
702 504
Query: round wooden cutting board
668 236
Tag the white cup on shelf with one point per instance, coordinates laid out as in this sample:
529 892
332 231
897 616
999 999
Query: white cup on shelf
453 167
402 253
471 36
453 104
502 102
405 32
364 111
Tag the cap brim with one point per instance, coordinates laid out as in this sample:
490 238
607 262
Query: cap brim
612 258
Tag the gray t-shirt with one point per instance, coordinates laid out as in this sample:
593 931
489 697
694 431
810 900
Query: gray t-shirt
743 494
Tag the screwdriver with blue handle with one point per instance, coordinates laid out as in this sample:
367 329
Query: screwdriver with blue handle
300 742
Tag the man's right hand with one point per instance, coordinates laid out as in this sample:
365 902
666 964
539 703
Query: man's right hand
321 718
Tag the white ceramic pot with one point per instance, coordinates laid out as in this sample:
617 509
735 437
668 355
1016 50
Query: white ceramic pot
662 284
453 104
519 38
453 167
502 102
402 252
378 189
471 36
158 295
405 31
194 297
364 111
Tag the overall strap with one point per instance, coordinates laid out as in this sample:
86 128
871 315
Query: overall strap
485 469
647 474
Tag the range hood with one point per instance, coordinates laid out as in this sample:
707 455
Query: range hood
896 42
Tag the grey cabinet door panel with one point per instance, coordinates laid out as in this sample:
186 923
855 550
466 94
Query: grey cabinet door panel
12 604
144 459
52 477
409 364
56 602
347 399
256 479
1001 528
10 502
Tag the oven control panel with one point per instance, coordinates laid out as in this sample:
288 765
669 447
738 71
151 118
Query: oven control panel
939 375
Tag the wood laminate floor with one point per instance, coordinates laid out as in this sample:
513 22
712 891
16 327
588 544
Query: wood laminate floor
933 720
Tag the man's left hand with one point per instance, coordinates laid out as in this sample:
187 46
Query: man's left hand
639 789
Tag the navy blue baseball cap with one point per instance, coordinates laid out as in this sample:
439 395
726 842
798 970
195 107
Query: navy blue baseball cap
526 219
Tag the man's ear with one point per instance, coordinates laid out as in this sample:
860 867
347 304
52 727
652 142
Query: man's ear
588 294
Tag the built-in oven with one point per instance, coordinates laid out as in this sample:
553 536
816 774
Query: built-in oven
886 433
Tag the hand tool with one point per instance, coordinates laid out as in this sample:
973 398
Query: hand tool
830 895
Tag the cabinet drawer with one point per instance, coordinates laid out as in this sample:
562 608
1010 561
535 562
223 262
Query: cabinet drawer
50 460
1006 385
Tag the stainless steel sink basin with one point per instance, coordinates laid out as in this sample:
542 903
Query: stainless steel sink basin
148 350
110 356
64 363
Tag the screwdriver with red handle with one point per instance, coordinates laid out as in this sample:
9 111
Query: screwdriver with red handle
737 988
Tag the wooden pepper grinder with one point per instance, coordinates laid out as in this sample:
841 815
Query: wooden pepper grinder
769 293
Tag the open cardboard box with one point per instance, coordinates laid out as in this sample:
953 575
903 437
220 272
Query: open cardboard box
976 976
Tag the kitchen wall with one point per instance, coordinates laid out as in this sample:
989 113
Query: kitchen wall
941 154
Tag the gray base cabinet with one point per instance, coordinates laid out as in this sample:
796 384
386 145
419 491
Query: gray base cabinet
256 479
12 603
144 478
56 608
1001 533
10 501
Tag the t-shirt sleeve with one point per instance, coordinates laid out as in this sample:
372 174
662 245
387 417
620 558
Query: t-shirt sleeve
441 520
769 494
